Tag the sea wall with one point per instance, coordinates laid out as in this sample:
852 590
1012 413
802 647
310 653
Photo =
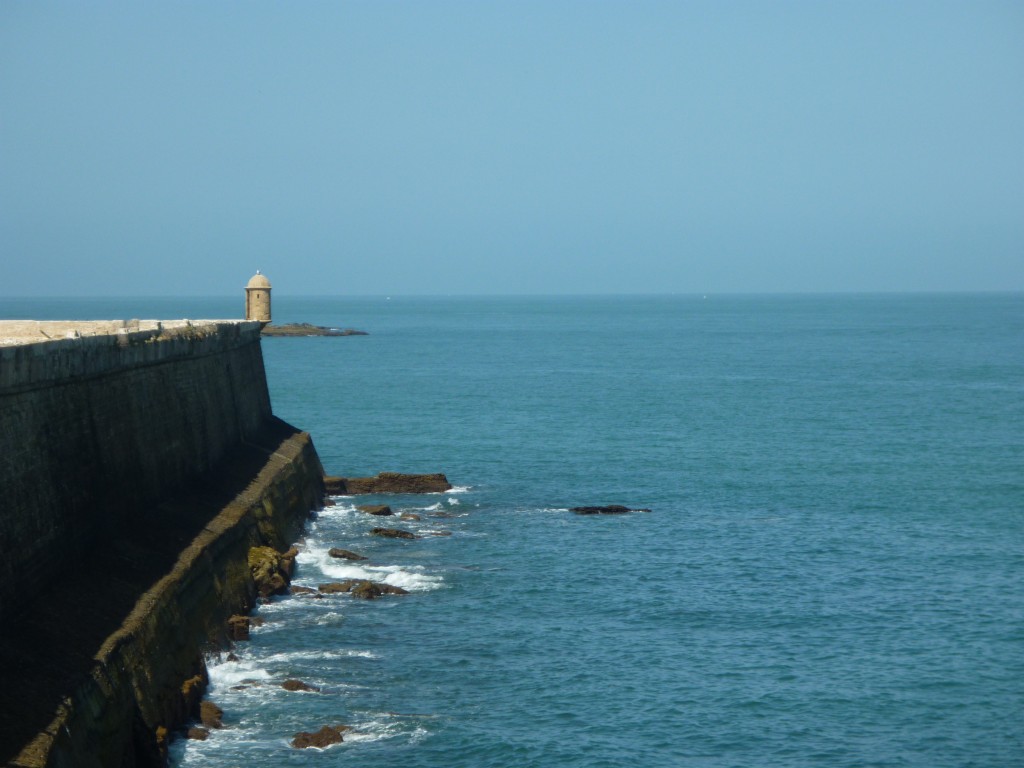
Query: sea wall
95 428
137 469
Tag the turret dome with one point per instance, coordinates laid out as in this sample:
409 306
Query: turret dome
258 281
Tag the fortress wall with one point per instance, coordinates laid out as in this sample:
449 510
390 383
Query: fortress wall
147 676
138 465
98 427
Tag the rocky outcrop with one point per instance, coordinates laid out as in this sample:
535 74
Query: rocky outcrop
307 329
367 590
325 737
344 554
392 533
210 715
271 570
380 510
387 482
238 627
609 509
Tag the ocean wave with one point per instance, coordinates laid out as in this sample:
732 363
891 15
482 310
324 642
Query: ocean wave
410 577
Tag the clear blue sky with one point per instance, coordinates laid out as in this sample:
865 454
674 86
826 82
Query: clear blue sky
511 147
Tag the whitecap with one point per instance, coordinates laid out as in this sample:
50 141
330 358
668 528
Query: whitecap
225 674
287 657
330 618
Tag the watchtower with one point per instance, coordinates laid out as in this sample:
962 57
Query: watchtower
257 299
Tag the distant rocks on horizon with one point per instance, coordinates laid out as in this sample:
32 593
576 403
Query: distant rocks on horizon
307 329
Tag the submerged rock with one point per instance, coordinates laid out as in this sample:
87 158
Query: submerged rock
392 533
297 590
408 516
380 510
329 734
608 509
344 554
198 734
387 482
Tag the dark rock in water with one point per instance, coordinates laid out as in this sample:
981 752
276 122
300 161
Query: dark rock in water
307 329
336 586
440 533
232 657
368 590
335 486
198 734
609 509
387 482
392 533
408 516
210 715
380 510
344 554
297 590
323 738
298 685
238 627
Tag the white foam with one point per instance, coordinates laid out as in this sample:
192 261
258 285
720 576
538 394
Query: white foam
459 489
412 578
287 657
453 502
338 510
226 674
331 618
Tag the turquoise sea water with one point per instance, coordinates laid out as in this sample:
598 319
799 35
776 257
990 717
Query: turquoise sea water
832 573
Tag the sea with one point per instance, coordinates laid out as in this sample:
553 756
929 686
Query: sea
831 572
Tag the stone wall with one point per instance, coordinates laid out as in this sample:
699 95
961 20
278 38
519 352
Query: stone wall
97 427
138 465
146 678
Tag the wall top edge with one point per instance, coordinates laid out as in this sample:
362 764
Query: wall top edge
73 350
21 332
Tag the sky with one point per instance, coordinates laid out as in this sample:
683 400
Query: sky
491 147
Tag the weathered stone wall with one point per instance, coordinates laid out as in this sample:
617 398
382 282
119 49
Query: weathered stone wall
137 468
147 674
95 428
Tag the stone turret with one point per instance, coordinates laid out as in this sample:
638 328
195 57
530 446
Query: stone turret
257 299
